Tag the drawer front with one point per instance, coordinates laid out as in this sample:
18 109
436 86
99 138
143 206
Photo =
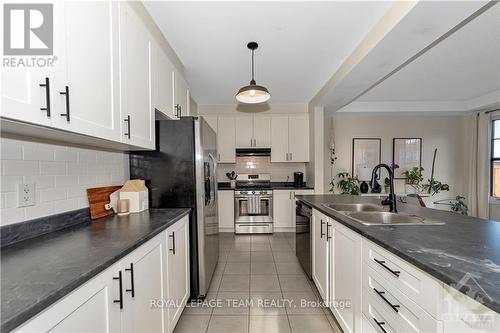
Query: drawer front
376 318
412 282
406 313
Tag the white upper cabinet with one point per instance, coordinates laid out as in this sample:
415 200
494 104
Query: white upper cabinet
212 121
290 138
27 95
279 139
298 138
163 82
262 131
136 109
181 95
253 132
244 131
85 94
226 139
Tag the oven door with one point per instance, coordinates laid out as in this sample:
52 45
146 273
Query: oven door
244 213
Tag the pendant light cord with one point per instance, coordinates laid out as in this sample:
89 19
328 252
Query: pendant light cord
253 79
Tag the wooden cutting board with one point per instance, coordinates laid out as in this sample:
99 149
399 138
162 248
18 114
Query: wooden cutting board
98 198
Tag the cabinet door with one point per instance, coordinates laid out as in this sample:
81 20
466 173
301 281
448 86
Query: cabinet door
181 94
262 131
279 139
320 253
23 97
212 121
178 283
137 111
298 138
226 210
345 277
163 86
244 131
88 77
142 272
226 139
282 210
90 308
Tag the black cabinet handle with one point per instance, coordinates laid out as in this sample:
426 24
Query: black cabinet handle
132 288
382 263
380 324
321 234
328 237
66 92
128 126
173 242
47 96
120 300
381 294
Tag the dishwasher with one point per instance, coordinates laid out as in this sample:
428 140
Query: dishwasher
303 220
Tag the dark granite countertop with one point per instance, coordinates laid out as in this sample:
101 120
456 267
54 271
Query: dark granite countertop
464 245
37 272
274 186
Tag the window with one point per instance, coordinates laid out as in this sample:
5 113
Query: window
495 158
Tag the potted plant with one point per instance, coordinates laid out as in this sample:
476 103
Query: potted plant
413 177
346 184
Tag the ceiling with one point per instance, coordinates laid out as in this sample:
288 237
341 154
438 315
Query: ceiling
464 67
301 44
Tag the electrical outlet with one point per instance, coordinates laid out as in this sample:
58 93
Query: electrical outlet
26 195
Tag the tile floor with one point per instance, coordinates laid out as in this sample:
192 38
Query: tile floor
258 286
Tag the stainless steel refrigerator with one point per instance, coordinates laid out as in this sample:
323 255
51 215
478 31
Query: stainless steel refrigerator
182 173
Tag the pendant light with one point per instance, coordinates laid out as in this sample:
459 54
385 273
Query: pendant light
253 94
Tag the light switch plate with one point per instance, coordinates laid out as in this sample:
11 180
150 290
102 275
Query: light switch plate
26 195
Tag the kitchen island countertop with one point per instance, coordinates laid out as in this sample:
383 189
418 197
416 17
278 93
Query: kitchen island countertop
463 245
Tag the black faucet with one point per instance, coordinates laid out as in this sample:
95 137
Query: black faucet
391 199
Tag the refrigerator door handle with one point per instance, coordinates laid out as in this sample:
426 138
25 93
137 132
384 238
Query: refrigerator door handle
213 177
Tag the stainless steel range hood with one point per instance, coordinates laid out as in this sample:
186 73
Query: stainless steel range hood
244 152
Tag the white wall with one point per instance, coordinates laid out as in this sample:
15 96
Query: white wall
442 132
61 174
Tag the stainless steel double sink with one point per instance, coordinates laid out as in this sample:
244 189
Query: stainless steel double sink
371 214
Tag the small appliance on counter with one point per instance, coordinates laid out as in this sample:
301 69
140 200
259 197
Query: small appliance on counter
298 179
136 192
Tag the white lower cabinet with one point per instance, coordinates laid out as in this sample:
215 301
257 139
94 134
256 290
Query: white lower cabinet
145 291
284 208
369 289
177 276
345 281
226 210
321 243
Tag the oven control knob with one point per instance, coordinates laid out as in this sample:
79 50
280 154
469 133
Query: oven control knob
244 192
253 192
262 192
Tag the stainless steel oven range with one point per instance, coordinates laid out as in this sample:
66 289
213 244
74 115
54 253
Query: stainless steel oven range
253 205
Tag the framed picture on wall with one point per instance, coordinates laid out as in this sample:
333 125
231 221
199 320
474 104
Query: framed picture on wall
407 153
366 153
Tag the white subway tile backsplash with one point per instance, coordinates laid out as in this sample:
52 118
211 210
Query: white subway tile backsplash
61 206
41 182
20 168
38 152
65 181
9 183
12 215
60 173
77 168
65 154
11 151
40 210
53 168
51 194
86 180
87 156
